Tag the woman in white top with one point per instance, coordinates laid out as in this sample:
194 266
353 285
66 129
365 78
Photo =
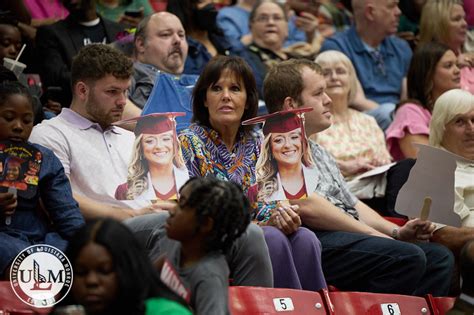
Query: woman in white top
452 128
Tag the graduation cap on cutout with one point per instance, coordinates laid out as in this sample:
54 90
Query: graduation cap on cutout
155 123
13 161
282 121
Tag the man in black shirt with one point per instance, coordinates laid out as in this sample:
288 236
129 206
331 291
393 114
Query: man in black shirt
57 44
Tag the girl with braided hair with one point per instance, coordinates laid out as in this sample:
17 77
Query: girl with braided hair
209 215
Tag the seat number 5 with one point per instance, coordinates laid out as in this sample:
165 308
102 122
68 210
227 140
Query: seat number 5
390 309
283 304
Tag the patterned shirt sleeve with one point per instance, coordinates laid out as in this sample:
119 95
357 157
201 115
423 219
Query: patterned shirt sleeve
331 183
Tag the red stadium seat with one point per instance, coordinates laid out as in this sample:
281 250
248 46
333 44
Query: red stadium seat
11 304
255 300
397 221
440 305
362 303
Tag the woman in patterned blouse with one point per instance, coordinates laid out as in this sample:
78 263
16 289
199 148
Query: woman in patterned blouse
216 144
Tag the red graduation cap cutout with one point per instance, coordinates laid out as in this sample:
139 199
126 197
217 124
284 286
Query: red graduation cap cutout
282 121
155 123
13 161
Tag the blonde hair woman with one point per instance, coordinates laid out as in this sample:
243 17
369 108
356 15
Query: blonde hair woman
157 169
285 164
285 171
268 166
354 138
444 21
356 141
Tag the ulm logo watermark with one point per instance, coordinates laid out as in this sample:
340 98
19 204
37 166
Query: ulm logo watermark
41 275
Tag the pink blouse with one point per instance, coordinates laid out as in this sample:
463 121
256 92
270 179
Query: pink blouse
467 79
45 9
409 118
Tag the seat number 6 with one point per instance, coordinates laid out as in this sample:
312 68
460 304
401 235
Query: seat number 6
390 309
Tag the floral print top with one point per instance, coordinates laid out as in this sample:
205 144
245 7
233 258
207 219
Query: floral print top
205 154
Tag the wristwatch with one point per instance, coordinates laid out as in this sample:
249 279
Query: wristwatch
395 233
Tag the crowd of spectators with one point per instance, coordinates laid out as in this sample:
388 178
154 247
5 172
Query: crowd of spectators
373 79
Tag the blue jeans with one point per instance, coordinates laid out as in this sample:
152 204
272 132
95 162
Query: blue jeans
382 114
359 262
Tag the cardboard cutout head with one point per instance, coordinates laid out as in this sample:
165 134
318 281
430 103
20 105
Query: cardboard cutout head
156 170
284 150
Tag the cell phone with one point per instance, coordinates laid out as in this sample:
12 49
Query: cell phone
134 13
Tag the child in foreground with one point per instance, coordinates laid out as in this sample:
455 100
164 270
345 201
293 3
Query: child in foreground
209 216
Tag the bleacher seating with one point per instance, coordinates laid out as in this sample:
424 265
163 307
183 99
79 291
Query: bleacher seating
363 303
397 221
258 301
11 304
440 305
255 300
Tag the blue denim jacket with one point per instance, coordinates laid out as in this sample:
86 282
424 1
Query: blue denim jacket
29 225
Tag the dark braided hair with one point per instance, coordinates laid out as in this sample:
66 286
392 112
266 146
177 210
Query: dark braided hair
8 88
225 203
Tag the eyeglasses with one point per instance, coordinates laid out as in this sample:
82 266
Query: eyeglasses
266 18
337 71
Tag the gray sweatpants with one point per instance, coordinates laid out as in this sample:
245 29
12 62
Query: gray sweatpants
248 258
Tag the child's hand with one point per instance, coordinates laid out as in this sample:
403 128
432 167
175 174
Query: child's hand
8 203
